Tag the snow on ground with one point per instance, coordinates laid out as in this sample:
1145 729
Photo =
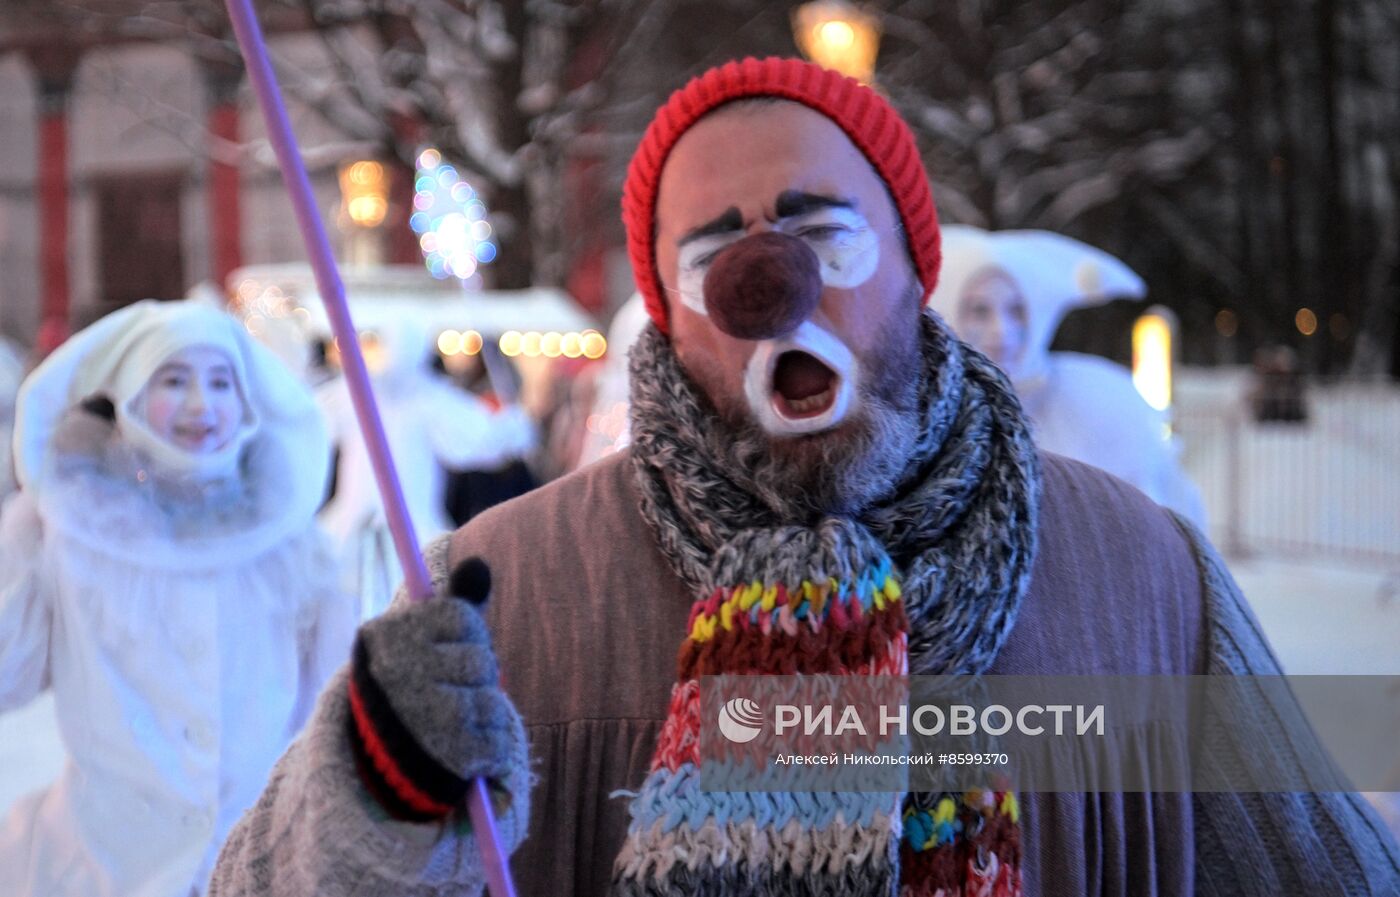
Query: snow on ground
1325 618
1323 615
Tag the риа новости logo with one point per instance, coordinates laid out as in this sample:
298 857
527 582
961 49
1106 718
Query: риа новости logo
740 720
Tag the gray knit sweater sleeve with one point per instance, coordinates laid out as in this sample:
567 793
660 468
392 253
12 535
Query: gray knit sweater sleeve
316 830
1264 843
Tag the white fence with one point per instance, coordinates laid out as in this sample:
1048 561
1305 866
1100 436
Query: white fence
1327 485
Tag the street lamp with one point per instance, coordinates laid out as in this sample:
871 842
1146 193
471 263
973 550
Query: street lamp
838 35
365 192
364 198
1154 335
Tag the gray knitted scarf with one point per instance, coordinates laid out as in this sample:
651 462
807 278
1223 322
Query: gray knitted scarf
960 527
943 561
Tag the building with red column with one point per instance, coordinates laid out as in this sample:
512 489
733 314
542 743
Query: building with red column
131 164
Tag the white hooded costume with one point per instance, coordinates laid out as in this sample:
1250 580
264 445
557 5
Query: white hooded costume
432 426
1081 406
183 610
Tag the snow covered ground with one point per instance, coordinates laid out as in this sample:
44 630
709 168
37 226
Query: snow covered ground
1323 615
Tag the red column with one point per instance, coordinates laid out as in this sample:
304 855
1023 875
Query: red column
54 67
402 242
584 179
223 187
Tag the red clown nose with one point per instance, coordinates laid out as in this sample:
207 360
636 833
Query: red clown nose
763 287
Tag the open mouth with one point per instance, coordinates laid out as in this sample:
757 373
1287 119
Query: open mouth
803 386
193 435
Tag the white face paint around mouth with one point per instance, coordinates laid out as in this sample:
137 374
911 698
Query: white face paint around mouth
845 244
820 344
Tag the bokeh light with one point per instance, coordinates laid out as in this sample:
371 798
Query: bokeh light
450 219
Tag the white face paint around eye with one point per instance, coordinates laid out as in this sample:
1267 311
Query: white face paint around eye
694 262
844 242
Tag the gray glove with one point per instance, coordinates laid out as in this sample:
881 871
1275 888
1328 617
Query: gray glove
427 711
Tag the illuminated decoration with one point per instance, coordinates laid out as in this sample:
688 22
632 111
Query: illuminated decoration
611 424
261 305
365 192
839 36
449 342
463 342
1153 336
594 344
1306 321
450 220
588 344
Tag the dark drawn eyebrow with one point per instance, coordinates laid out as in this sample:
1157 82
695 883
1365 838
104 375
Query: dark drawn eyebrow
729 220
791 203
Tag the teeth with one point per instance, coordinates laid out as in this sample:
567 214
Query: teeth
811 403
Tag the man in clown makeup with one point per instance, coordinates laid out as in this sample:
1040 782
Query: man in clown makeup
821 480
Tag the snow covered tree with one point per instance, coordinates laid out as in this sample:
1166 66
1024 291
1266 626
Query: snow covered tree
504 89
1240 155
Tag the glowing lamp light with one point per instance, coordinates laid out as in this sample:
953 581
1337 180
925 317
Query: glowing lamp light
594 345
1306 321
1153 336
364 190
838 35
449 342
536 344
450 220
452 343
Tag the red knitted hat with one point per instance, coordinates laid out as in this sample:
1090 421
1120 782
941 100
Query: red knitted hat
868 120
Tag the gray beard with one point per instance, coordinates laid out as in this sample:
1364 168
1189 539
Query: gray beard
840 471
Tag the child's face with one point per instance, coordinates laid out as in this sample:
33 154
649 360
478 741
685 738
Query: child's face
992 316
192 400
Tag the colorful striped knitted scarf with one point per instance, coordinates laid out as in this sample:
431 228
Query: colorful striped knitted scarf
927 581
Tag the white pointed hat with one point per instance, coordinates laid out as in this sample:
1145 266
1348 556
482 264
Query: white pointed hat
1053 273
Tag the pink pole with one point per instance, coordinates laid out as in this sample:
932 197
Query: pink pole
318 248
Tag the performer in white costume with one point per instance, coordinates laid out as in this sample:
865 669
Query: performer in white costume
1005 293
432 426
161 572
